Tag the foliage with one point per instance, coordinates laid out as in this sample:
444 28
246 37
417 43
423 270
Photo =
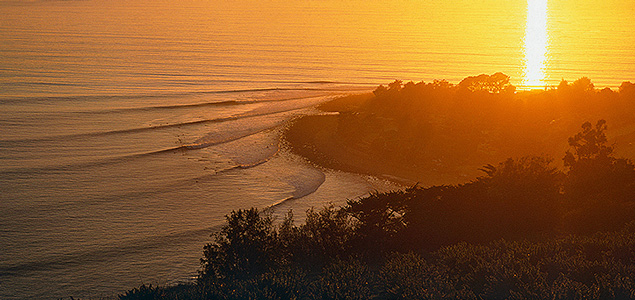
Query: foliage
495 83
573 267
324 237
593 170
438 133
142 293
627 87
497 237
519 198
379 221
245 248
599 188
524 229
589 144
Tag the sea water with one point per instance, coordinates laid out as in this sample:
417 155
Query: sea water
129 129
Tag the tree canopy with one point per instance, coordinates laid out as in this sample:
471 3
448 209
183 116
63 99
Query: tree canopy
495 83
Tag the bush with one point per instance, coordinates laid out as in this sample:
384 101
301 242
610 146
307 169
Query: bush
244 248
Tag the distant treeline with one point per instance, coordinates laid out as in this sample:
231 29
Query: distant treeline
442 128
526 228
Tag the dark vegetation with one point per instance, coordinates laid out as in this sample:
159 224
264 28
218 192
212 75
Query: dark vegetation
441 133
525 229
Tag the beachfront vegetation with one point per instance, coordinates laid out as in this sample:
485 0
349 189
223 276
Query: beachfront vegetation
527 228
600 266
522 230
442 133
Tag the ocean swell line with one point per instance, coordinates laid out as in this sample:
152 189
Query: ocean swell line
194 105
141 129
38 99
108 161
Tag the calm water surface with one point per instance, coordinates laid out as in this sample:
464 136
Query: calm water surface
128 129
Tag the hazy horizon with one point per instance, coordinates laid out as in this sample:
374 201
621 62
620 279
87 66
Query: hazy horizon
86 47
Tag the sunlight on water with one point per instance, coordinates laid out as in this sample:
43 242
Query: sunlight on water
536 41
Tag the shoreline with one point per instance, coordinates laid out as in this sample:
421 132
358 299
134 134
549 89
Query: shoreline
313 137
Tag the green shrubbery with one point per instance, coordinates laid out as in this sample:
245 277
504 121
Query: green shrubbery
600 266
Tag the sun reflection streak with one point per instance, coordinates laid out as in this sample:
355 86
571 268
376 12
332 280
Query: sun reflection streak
536 41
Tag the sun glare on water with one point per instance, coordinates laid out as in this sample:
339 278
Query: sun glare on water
536 41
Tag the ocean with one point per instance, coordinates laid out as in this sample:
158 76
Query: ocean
129 129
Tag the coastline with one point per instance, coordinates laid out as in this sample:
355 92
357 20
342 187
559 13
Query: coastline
431 136
315 138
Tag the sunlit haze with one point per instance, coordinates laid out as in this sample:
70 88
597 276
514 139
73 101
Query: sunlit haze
536 44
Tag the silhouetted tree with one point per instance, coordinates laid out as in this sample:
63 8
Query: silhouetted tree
494 83
627 88
583 84
379 219
393 89
441 84
380 90
324 237
524 195
600 188
563 85
395 86
243 248
589 144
